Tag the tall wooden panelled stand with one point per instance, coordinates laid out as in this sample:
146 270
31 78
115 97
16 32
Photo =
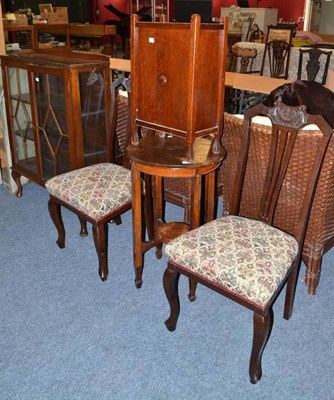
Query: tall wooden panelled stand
58 107
178 81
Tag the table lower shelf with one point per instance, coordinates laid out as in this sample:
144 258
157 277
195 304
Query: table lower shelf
168 231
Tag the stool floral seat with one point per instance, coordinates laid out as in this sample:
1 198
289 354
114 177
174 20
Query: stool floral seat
95 191
98 193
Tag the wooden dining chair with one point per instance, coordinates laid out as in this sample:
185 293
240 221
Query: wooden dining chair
249 260
98 193
242 61
276 56
309 61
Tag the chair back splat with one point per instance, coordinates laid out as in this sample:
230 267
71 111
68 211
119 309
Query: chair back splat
250 260
286 123
311 63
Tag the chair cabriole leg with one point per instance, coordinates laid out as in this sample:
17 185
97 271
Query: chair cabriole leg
55 213
83 227
100 234
290 292
171 284
262 325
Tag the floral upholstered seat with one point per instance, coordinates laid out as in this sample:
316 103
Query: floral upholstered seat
91 190
246 256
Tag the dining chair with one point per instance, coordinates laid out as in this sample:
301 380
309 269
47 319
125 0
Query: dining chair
276 57
250 260
311 64
98 193
242 61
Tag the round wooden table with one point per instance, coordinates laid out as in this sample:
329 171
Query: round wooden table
158 157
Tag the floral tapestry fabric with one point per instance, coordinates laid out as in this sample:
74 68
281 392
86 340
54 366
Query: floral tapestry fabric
245 256
95 190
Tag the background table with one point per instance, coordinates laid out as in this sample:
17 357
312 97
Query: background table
294 59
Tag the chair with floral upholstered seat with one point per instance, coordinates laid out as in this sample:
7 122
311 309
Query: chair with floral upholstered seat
250 260
97 193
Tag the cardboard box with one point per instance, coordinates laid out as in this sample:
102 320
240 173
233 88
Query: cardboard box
59 15
20 20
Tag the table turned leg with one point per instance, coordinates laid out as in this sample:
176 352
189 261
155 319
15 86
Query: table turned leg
210 187
137 225
195 222
158 217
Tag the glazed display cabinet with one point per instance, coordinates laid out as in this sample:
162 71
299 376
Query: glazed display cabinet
58 107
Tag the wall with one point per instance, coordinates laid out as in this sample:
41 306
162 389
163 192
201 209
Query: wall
327 17
287 9
103 14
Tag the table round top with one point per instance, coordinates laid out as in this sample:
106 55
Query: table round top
170 152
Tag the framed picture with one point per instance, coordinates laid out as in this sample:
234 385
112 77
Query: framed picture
45 8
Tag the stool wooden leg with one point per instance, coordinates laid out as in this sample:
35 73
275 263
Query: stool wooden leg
55 213
100 234
83 227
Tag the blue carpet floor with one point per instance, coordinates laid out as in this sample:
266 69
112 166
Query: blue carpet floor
65 335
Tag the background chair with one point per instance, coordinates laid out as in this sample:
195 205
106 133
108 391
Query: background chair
276 55
98 193
249 260
242 61
309 61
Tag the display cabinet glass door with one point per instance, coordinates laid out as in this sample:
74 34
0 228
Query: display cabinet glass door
92 87
61 149
51 123
23 140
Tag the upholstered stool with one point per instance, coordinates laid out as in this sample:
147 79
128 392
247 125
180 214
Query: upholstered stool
98 193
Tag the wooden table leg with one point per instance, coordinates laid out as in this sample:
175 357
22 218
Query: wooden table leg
210 188
137 225
195 222
158 210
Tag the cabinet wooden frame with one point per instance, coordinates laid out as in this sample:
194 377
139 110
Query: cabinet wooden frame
61 120
177 83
